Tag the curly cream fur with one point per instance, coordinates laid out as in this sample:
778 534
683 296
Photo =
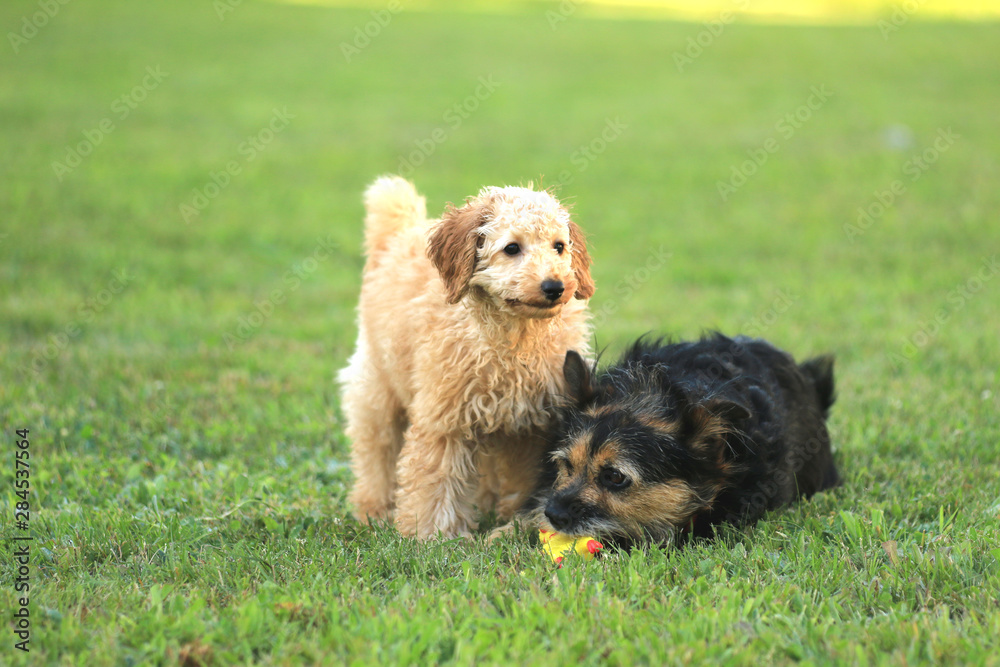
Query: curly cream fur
459 355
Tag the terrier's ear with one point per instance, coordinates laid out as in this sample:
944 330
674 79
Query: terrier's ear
453 244
581 263
579 379
711 421
727 408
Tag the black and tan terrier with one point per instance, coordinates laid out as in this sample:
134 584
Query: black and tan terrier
675 439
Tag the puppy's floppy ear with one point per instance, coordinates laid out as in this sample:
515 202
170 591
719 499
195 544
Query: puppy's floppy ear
579 378
452 246
581 263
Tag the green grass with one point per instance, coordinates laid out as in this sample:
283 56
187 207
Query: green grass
188 470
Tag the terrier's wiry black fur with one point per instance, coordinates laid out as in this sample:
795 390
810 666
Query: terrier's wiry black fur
678 438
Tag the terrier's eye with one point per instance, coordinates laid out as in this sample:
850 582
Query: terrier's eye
614 479
560 247
512 249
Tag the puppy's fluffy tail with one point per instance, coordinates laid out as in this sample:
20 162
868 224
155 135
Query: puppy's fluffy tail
392 204
820 372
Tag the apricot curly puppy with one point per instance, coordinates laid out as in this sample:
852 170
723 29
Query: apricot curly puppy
464 325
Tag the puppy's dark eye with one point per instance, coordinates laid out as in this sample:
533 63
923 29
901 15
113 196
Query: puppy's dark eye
513 249
614 479
560 248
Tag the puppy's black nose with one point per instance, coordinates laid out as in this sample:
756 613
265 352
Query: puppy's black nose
553 289
559 515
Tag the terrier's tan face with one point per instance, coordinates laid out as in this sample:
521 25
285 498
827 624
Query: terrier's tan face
634 465
607 487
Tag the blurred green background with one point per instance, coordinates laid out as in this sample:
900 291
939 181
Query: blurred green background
180 225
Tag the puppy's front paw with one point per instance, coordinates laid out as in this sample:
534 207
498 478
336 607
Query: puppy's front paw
445 526
369 511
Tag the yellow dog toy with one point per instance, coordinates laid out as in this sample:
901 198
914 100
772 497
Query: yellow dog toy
557 545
